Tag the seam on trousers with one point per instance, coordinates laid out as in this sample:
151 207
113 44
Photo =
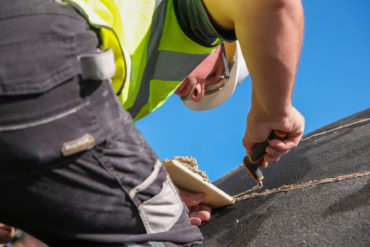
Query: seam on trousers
148 181
161 212
45 120
107 166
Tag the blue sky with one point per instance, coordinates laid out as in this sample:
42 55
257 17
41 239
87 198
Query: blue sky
333 82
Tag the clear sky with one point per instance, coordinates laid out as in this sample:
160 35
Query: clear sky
333 82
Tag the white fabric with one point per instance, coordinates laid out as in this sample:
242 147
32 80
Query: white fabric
160 213
98 66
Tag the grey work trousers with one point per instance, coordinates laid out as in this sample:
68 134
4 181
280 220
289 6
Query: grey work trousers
74 170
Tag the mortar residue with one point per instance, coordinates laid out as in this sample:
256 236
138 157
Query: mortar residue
192 164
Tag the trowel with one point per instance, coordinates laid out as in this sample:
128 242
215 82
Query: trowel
184 178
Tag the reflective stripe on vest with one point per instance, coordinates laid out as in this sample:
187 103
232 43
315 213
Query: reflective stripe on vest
153 55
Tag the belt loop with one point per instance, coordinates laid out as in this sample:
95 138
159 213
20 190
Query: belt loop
98 66
60 2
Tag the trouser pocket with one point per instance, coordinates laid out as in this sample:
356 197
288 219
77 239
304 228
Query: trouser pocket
145 181
39 45
160 213
34 130
44 106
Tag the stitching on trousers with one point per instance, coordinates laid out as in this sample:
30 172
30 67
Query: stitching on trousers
45 120
148 181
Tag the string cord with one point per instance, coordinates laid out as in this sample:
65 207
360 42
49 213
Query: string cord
248 193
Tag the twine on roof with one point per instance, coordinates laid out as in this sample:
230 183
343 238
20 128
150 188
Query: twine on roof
247 194
338 128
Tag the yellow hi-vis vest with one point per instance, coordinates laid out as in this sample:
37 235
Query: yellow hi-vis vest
152 54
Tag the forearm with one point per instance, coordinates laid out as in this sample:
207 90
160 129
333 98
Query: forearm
270 33
272 40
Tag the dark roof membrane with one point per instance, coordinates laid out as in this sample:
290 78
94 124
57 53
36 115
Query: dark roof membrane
327 214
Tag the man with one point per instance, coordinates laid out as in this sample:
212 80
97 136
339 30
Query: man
219 66
87 174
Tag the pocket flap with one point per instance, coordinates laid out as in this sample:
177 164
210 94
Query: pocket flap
36 65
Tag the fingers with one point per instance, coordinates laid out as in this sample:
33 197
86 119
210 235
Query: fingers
260 126
201 211
249 141
6 233
199 214
191 199
195 221
248 144
264 163
274 151
278 148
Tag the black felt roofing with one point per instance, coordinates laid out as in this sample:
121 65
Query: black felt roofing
330 214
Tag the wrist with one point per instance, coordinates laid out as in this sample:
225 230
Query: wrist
271 110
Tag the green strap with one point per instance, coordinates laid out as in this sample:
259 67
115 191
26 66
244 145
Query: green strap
175 66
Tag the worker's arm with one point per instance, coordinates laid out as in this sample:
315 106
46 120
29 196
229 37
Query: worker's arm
270 33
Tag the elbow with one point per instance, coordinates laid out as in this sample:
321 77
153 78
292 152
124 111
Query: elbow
289 5
292 9
288 13
251 10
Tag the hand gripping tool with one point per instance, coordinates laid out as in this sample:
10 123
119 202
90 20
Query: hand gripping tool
252 161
